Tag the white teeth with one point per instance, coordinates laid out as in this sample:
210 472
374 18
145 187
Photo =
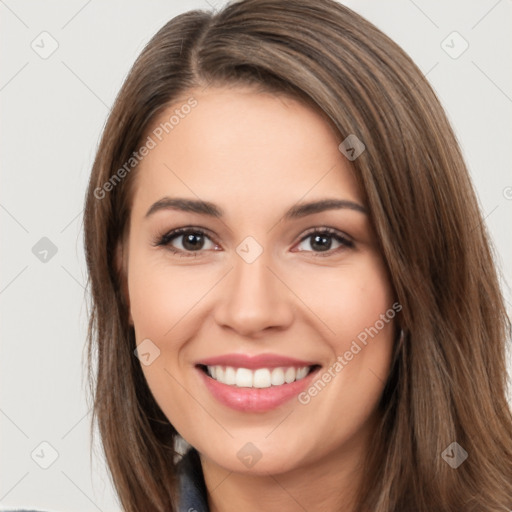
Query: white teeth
260 378
277 378
243 378
229 376
301 373
289 375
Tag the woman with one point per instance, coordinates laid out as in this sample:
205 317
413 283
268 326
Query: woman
368 375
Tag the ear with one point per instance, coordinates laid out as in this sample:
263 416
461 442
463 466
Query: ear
121 265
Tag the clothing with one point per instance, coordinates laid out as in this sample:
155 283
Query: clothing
191 484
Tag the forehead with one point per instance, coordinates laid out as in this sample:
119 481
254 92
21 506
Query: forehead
236 143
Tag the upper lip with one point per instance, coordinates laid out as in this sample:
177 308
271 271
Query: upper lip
254 362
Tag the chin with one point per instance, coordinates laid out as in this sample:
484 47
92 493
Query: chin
255 458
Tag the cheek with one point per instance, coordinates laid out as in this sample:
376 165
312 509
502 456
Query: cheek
358 306
160 299
161 295
151 300
367 325
348 300
369 297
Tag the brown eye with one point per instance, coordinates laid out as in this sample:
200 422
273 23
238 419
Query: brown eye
321 241
186 240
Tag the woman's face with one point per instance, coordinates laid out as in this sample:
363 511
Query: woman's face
295 326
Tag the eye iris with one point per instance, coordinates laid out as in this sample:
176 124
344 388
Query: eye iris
321 239
193 241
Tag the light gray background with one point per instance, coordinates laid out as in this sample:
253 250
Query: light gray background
53 111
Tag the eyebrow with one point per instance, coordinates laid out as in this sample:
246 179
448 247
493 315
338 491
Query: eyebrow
212 210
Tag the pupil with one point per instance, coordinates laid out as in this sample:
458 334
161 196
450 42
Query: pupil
321 239
188 241
195 240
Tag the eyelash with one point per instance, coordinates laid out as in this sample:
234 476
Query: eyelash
167 238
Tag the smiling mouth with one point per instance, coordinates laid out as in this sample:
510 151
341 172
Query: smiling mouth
257 378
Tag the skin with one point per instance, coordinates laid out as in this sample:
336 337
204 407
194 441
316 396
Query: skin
255 155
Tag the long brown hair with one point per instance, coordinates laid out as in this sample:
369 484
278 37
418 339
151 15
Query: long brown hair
449 380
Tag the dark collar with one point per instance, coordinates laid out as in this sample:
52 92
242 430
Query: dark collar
191 483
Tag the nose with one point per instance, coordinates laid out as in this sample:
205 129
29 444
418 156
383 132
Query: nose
254 299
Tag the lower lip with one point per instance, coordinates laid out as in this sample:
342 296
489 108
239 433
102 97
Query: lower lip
255 399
